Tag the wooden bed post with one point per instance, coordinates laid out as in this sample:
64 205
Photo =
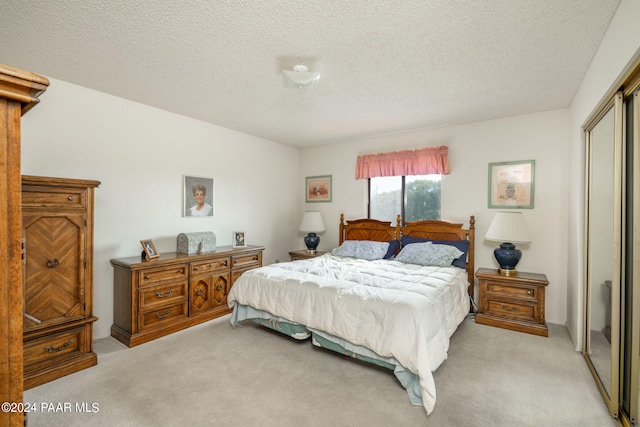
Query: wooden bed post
341 237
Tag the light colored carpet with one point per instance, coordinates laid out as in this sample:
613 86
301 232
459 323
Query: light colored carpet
214 375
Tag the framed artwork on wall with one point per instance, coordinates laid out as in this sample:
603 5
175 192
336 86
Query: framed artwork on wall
318 189
511 184
197 200
239 240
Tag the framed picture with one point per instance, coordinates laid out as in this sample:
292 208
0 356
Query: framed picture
197 200
150 250
318 189
239 239
511 184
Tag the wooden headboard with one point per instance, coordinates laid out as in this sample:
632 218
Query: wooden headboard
380 231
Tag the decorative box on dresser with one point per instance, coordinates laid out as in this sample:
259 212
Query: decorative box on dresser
512 302
163 295
57 228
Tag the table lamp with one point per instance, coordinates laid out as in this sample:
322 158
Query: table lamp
509 228
312 223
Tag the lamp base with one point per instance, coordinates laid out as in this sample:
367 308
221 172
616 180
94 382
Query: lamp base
505 272
311 240
508 257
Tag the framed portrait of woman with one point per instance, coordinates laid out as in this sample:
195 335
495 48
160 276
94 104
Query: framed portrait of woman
197 197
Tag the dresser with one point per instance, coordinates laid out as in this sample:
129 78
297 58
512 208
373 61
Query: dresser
163 295
512 302
57 230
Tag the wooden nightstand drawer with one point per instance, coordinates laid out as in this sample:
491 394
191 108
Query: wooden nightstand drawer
511 310
502 289
512 302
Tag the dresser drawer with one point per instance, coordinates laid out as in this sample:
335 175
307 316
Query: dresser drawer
205 267
163 316
246 261
154 276
162 295
504 289
512 310
53 197
52 348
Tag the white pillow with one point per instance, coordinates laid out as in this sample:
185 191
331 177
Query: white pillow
429 254
362 249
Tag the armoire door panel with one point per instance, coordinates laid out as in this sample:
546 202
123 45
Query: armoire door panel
55 267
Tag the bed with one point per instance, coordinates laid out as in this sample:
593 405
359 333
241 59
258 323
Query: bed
388 295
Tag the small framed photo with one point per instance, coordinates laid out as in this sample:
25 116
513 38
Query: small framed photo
318 189
239 240
197 200
150 250
511 184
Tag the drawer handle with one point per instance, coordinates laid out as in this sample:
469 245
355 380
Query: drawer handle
491 287
71 198
194 269
507 308
529 292
219 288
166 294
55 350
235 262
224 263
53 263
181 271
162 315
147 277
199 292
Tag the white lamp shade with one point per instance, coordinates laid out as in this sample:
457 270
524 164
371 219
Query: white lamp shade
508 227
312 223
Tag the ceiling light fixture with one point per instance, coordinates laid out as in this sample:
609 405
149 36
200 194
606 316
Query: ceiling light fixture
301 77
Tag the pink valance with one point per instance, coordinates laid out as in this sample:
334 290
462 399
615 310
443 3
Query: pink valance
424 161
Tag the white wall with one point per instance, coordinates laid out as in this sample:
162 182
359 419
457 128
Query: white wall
619 48
543 137
140 155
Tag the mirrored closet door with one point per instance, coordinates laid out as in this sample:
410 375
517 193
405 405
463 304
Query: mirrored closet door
611 342
603 227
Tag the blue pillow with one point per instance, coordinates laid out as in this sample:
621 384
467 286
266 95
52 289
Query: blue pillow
462 245
426 253
362 249
393 247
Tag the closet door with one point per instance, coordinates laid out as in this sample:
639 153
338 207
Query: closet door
604 240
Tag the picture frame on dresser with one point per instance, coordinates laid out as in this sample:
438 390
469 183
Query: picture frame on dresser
239 239
149 249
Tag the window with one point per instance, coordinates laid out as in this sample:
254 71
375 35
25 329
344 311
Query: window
415 198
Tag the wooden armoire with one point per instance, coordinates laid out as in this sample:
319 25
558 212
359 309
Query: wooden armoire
57 224
19 91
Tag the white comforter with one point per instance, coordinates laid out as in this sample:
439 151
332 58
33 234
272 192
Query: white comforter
398 310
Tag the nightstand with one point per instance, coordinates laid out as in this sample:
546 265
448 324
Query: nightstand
512 302
304 254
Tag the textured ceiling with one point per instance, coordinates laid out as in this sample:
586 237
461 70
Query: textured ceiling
387 66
